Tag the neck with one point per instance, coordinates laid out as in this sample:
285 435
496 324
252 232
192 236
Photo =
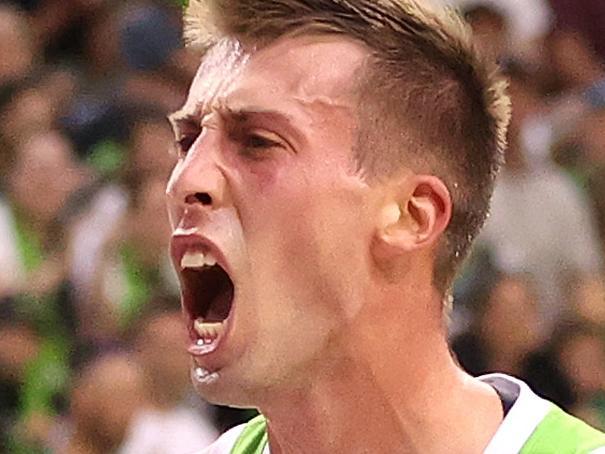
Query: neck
392 388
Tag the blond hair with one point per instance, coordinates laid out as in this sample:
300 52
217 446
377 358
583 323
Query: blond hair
429 100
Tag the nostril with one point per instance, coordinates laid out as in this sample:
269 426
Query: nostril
199 197
204 198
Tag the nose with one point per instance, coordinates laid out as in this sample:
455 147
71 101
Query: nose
198 179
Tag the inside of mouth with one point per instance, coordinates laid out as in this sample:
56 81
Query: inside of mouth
210 294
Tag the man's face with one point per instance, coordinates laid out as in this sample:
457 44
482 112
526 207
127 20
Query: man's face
44 176
267 185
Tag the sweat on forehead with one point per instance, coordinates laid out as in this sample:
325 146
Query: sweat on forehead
219 67
310 71
426 97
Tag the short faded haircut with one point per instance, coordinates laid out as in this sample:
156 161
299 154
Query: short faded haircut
427 101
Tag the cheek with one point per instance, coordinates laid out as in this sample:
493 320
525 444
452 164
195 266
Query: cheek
260 179
312 238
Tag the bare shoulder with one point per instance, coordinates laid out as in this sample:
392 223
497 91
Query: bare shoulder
224 444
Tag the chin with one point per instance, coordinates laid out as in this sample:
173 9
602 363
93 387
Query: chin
229 388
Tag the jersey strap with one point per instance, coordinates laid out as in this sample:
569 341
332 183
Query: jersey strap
562 433
253 438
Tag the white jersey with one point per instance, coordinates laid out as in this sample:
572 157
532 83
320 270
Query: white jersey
525 413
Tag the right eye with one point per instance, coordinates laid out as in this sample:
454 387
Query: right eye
185 142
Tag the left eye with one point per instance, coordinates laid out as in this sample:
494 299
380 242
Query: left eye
255 141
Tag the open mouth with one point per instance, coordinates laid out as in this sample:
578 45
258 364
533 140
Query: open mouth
208 293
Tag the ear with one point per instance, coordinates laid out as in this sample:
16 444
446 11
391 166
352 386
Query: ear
415 214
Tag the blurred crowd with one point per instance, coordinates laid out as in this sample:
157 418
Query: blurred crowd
531 301
92 356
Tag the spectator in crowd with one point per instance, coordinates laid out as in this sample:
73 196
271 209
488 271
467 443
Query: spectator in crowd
503 335
580 353
43 176
27 111
144 157
157 71
577 79
529 21
490 30
16 46
587 298
576 64
166 424
54 208
591 135
134 266
151 145
19 346
584 16
553 235
105 398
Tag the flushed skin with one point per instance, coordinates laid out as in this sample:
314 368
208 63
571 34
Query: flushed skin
334 303
336 160
285 214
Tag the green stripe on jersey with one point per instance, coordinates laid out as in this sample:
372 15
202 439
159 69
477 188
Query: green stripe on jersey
253 439
557 433
561 433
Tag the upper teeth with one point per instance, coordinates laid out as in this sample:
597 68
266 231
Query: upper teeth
197 259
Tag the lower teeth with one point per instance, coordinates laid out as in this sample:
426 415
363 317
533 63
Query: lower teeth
208 332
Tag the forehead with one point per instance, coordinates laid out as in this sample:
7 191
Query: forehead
291 73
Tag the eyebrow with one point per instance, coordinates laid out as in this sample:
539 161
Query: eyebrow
183 117
238 117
